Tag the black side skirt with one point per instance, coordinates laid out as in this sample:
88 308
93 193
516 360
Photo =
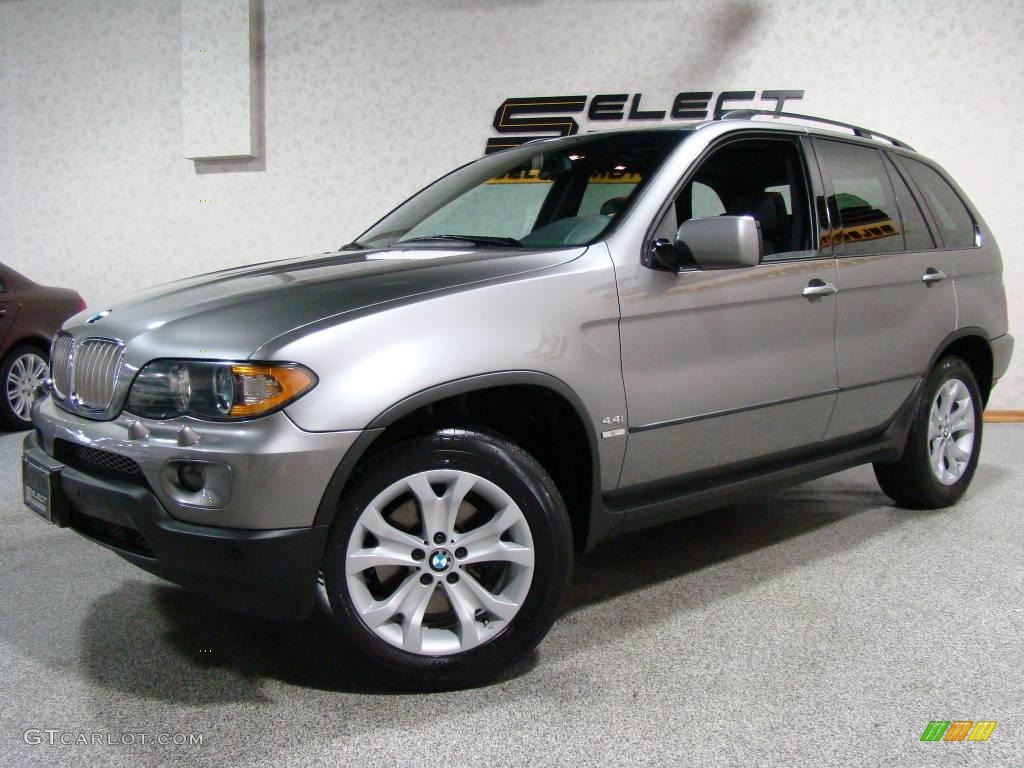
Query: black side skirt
640 507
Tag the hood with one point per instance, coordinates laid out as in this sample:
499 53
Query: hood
232 313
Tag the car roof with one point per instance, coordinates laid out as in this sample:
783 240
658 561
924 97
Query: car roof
811 124
762 119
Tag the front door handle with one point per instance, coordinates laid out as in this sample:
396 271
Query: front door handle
933 276
3 313
818 287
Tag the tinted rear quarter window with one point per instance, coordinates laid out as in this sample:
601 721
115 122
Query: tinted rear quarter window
955 223
915 230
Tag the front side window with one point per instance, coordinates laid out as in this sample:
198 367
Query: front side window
762 178
863 203
545 195
705 201
955 223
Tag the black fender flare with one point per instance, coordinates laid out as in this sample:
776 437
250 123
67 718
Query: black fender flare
328 503
959 333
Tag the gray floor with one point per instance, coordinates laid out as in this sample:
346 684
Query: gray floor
821 626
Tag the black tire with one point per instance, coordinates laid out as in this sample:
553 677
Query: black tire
9 418
524 480
911 482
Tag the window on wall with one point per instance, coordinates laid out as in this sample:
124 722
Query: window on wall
762 178
955 223
863 201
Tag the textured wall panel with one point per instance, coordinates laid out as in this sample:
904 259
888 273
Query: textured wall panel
216 78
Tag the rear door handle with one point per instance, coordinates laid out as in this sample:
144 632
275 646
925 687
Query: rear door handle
3 313
933 276
818 287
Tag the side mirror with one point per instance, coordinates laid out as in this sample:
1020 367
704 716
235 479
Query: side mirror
664 255
720 242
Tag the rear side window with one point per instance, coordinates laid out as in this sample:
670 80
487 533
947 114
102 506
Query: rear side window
863 201
915 230
955 223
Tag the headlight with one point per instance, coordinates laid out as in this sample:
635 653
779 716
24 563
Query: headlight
165 389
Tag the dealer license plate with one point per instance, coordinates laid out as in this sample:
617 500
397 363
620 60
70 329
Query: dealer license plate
39 484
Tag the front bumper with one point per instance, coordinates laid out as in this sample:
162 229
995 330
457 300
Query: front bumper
271 573
270 474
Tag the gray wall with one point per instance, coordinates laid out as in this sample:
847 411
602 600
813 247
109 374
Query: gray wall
363 102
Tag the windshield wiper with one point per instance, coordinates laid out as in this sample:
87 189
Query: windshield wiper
504 242
354 246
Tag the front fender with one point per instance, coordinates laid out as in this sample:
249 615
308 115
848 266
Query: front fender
561 323
325 512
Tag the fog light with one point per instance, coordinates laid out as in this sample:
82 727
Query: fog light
192 477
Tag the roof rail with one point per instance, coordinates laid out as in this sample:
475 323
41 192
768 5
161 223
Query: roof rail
745 114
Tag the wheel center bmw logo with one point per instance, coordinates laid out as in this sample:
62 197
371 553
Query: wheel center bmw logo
440 561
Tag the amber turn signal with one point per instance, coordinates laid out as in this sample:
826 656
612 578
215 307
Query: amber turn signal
263 388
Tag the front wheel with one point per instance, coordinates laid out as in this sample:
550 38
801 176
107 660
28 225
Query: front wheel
449 559
944 441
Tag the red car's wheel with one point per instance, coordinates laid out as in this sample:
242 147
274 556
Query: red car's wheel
23 371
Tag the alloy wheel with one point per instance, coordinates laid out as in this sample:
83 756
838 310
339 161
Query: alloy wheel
951 431
28 371
439 562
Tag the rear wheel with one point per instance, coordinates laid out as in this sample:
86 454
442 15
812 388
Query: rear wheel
944 441
22 371
449 559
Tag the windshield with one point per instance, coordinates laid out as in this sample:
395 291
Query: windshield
543 195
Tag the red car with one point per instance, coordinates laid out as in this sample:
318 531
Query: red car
29 316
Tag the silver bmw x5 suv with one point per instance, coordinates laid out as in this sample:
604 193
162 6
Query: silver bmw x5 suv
555 344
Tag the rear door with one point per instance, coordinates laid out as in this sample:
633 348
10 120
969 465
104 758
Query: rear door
896 302
8 311
725 366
